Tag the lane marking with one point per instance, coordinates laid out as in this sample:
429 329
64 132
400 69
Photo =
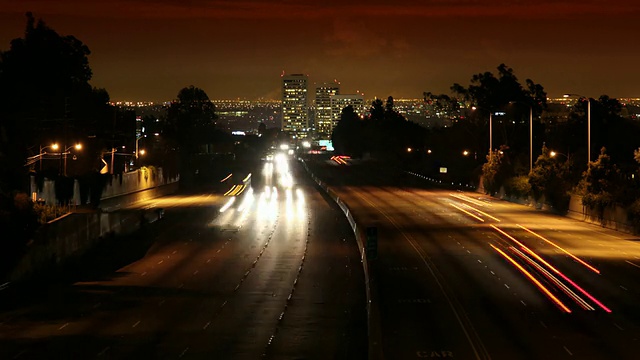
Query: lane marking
136 324
63 326
567 350
630 263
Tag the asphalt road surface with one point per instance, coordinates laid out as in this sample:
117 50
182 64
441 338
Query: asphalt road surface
275 275
465 276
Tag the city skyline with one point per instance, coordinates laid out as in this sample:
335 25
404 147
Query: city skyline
147 50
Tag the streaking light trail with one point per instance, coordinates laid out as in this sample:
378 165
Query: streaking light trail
534 280
466 198
537 257
482 212
228 204
466 212
563 250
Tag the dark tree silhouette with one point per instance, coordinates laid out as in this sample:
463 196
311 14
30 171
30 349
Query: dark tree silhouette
191 121
45 97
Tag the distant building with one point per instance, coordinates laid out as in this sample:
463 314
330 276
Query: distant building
323 117
339 102
295 108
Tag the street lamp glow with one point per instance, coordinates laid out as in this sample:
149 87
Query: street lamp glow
54 146
465 153
142 152
552 154
77 146
409 149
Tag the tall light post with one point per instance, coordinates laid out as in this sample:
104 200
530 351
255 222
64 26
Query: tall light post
588 124
530 132
53 146
137 140
490 130
66 152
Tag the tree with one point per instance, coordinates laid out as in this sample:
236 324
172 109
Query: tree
489 93
45 97
550 178
496 170
191 121
347 137
599 182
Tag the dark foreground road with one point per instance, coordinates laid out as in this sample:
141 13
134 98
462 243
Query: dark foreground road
276 278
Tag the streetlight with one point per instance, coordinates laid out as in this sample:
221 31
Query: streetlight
530 132
554 153
66 152
53 146
588 123
138 139
490 130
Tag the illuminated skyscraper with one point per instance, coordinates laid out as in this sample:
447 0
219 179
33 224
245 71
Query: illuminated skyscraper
339 102
295 109
323 123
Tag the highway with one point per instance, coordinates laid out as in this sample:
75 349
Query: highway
466 276
274 275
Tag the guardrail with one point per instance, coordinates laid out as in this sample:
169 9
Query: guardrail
371 287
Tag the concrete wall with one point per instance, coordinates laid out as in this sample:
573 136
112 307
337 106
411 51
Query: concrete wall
614 217
72 235
118 185
371 284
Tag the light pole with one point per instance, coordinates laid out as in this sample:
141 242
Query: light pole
137 140
588 124
66 152
53 146
490 130
530 132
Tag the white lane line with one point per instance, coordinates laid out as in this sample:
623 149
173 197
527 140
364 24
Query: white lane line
136 324
160 262
630 263
104 351
183 352
174 252
63 326
195 272
543 325
143 274
623 288
206 325
492 273
523 303
618 326
208 261
567 350
218 251
507 286
161 302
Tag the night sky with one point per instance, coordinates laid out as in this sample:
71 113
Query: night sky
147 50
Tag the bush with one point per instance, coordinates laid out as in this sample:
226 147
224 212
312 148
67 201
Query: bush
518 187
633 212
45 213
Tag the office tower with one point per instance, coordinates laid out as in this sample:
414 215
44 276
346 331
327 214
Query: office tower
323 119
295 111
339 102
